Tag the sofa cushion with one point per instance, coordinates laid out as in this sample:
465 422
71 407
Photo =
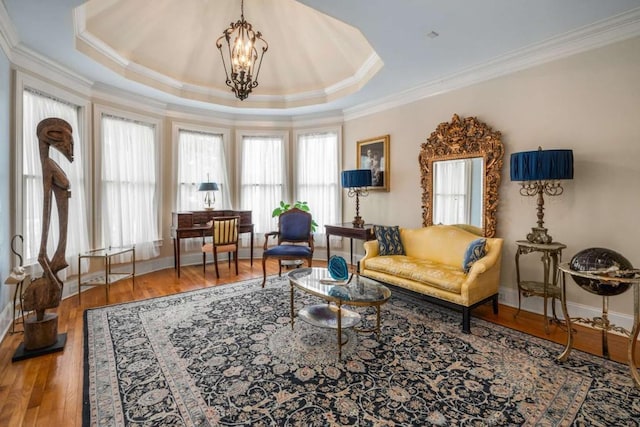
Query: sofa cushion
475 251
388 240
444 244
420 270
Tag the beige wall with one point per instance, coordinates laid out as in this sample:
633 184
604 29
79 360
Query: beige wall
588 102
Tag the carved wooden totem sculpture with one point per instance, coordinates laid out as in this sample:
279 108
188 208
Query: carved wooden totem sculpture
46 291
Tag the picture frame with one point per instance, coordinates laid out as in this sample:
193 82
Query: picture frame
373 154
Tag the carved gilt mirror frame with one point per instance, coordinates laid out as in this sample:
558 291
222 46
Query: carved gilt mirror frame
461 139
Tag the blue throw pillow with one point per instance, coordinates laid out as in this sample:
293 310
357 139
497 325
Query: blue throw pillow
475 251
388 240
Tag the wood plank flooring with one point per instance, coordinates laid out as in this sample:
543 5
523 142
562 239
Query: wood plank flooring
47 390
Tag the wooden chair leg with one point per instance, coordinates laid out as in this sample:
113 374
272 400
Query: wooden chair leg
215 261
204 259
235 258
264 270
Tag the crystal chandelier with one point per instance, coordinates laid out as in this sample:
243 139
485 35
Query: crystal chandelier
240 58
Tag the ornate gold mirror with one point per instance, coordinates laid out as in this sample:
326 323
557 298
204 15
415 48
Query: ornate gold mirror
460 167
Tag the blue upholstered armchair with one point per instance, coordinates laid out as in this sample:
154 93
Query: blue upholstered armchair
294 228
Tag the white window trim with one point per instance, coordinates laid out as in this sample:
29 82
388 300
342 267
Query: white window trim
98 111
230 157
24 82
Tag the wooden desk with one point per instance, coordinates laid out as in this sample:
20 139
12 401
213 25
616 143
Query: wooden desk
190 224
348 230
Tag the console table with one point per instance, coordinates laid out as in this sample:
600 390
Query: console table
190 224
347 229
551 255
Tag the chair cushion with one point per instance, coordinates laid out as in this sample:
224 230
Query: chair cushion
289 250
388 240
474 252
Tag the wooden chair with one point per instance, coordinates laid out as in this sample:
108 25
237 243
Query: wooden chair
295 240
224 231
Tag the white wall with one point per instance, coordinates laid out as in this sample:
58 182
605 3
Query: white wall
5 185
588 102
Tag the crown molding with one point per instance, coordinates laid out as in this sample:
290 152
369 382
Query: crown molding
8 33
33 62
601 33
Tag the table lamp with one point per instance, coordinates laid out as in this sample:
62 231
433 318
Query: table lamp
210 197
357 181
540 172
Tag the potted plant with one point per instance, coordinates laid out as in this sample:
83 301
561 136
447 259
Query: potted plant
303 206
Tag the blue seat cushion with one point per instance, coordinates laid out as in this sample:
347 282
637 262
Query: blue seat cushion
289 250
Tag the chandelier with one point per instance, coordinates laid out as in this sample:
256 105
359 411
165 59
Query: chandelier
240 58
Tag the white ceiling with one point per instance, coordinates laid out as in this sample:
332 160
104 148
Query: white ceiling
478 39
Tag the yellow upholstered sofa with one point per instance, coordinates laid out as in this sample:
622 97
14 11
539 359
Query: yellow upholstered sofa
433 266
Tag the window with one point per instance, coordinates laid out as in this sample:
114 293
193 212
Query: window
317 178
36 107
201 158
262 179
130 200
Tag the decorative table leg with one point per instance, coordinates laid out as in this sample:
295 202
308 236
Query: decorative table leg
518 282
339 329
563 299
606 325
545 263
633 338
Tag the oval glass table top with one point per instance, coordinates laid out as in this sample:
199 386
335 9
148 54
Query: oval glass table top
357 290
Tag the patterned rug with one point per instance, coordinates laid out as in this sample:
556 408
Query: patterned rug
227 356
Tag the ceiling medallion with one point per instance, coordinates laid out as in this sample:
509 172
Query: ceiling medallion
241 56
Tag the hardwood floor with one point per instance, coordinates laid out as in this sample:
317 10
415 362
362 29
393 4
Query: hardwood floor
47 390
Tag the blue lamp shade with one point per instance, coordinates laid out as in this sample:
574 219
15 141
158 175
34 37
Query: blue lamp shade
356 178
208 186
542 165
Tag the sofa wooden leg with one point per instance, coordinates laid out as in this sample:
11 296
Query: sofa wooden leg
495 304
466 320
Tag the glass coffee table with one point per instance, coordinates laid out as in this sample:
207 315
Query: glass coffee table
356 291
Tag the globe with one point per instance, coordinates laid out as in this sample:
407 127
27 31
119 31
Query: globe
594 259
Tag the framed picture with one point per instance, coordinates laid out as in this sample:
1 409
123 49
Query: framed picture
374 154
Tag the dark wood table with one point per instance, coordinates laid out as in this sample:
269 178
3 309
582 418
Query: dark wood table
347 229
191 224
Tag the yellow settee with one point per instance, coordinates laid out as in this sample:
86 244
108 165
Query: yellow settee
432 266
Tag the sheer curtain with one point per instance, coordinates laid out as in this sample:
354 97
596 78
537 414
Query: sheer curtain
201 157
317 177
262 180
129 186
37 107
451 189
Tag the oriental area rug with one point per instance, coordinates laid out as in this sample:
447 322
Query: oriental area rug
227 356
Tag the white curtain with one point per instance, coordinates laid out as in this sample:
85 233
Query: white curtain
317 178
201 157
262 181
451 188
129 186
37 107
